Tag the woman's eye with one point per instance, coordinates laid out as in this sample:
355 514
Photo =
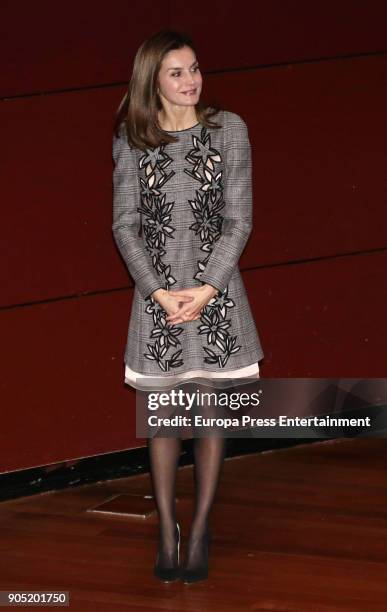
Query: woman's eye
176 74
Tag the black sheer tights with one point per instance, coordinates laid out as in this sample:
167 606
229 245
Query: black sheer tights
164 456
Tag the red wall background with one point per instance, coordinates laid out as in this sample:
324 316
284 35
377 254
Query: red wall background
310 81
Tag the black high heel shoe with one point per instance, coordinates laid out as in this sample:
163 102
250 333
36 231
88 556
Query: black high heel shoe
168 574
200 572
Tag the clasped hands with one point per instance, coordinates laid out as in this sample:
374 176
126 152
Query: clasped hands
184 305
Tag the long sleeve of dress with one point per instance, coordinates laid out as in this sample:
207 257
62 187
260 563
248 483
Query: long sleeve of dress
237 216
126 218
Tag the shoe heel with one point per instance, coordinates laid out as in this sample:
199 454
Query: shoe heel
170 574
188 576
178 544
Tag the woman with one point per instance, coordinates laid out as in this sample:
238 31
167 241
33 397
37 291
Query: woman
182 213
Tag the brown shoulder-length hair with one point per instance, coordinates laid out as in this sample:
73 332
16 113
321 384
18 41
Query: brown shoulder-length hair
138 110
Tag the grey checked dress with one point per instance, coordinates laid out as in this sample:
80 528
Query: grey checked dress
182 214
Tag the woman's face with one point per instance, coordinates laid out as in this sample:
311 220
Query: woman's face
179 79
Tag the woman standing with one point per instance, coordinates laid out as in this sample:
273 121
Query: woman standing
182 213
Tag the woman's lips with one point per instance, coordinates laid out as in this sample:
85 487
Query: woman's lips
189 93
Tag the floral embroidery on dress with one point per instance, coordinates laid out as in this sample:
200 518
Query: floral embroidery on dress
208 223
157 229
206 209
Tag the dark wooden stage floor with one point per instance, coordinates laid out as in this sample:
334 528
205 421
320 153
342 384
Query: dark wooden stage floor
303 528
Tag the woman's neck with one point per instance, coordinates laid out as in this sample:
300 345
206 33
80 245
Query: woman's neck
176 123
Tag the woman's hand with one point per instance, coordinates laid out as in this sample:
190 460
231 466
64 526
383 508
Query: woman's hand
184 305
170 303
193 300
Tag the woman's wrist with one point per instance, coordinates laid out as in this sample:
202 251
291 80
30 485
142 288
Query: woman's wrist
158 292
214 290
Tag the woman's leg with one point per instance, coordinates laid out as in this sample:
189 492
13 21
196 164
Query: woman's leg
164 454
209 453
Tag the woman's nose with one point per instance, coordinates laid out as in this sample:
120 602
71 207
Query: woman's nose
190 80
